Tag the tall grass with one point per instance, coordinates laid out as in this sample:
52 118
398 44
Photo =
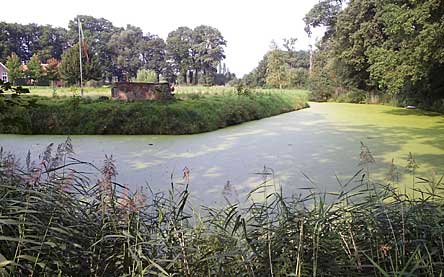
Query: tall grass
55 221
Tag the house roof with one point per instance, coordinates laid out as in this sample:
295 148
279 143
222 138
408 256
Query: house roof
4 66
24 67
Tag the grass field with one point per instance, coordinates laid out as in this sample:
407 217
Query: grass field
106 91
93 92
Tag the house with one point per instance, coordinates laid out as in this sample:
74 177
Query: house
43 81
3 73
131 91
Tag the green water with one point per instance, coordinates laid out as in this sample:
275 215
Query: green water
321 142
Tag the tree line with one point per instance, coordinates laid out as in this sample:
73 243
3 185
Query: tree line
281 67
390 48
110 53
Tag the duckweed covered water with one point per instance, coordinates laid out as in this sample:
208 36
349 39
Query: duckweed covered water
322 142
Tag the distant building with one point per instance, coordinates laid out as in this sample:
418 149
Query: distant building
44 66
130 91
4 73
30 82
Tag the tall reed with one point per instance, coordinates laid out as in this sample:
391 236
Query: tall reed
54 220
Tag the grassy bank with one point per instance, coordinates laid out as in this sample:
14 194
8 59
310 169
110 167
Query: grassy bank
365 97
187 114
55 222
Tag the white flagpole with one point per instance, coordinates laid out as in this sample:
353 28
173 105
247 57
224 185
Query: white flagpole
311 61
80 54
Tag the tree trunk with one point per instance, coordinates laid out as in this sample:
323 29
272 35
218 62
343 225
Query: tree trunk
184 75
191 77
196 77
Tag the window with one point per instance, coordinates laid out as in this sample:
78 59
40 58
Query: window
5 77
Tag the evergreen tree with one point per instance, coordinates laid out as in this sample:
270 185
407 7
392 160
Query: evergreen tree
70 66
14 68
34 72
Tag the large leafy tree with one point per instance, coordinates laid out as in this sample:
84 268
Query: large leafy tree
126 55
70 66
121 52
412 55
152 50
351 51
30 39
207 51
97 34
324 13
178 46
389 46
277 70
53 41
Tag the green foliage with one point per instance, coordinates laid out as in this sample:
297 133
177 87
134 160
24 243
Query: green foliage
27 40
281 68
131 50
153 54
52 70
190 113
12 106
242 91
354 96
178 45
419 28
70 66
14 68
194 54
207 51
125 52
393 47
257 77
35 71
146 76
298 77
97 33
121 52
323 13
277 69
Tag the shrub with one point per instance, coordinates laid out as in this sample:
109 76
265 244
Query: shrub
146 76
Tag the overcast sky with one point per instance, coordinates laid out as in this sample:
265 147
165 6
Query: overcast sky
247 25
